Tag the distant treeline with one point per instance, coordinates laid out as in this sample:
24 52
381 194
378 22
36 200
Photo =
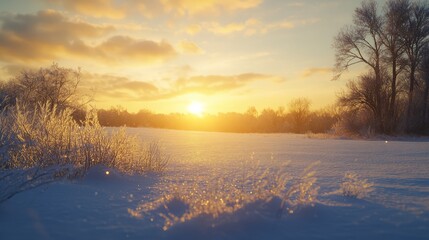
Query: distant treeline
295 120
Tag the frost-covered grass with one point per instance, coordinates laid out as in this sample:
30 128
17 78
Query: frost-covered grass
355 186
44 144
225 193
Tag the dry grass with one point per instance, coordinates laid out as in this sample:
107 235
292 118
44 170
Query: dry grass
354 186
45 144
228 192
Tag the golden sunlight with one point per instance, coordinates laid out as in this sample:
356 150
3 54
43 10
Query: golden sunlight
196 108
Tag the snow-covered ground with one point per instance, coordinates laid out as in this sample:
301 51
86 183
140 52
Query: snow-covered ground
220 185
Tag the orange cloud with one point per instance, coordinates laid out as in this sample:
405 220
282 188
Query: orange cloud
124 89
193 29
211 84
149 8
192 7
314 71
123 48
217 28
119 88
48 36
190 47
251 26
94 8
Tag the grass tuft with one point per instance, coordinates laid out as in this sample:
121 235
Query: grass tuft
354 186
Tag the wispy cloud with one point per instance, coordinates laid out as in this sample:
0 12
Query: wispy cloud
122 88
151 8
205 7
94 8
107 86
189 47
249 27
193 29
214 83
229 28
316 71
123 48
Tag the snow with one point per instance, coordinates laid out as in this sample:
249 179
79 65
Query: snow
207 167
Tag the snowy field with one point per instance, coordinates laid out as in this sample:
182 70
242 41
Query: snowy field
230 186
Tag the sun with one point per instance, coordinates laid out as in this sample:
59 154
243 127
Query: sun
196 108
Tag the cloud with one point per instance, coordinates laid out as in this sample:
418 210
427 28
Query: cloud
147 8
205 7
315 71
219 29
125 89
94 8
190 47
249 27
193 29
49 25
117 88
211 84
123 48
41 36
150 8
49 35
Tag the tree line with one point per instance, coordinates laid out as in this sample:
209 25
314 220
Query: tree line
392 42
298 119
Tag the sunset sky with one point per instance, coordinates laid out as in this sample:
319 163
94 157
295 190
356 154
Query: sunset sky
164 55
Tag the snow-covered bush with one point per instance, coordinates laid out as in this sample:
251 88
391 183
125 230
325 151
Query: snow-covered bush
354 186
46 143
226 193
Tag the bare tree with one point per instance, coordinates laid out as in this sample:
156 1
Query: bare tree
361 43
362 94
396 15
425 74
54 85
417 37
299 110
252 112
391 45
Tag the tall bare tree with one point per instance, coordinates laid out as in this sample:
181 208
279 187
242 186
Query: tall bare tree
416 38
425 74
396 15
361 43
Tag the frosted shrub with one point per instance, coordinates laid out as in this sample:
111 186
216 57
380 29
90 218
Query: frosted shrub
228 192
118 149
353 186
46 144
303 192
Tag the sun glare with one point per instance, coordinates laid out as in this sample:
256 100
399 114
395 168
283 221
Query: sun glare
196 108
